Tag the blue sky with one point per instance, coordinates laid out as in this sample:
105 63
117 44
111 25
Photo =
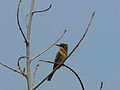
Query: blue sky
96 59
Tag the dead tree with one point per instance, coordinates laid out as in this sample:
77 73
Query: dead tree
26 71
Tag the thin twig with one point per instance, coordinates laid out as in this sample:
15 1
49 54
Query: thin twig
18 22
26 21
76 76
69 69
42 10
49 61
70 52
8 67
48 47
101 85
79 42
18 64
34 74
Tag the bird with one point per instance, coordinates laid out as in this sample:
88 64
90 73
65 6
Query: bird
60 57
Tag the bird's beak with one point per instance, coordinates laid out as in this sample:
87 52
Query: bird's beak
57 45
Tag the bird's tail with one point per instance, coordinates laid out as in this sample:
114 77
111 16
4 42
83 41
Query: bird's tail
50 76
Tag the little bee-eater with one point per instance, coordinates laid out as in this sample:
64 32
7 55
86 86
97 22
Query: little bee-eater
60 57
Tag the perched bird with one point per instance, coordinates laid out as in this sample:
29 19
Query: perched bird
60 57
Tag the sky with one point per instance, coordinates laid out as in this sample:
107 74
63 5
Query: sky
96 60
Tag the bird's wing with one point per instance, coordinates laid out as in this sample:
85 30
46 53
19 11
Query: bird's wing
56 60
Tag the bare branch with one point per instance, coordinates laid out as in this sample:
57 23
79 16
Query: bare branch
28 62
101 85
18 22
19 67
49 61
34 74
42 10
69 69
26 20
8 67
70 52
47 77
48 47
79 42
76 76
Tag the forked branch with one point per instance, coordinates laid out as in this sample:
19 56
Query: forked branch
78 77
70 52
